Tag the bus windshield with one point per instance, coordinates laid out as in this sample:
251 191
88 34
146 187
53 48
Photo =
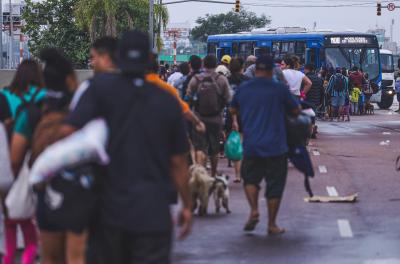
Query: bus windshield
387 63
366 59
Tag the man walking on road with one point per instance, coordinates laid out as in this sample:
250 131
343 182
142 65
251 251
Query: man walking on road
263 104
338 89
210 93
148 149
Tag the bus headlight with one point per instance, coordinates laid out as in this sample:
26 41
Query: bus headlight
390 92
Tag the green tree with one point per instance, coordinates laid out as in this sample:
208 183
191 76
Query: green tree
111 17
227 23
51 23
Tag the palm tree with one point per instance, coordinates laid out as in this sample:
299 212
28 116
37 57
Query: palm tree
111 17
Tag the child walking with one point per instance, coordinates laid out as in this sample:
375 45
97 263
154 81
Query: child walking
354 98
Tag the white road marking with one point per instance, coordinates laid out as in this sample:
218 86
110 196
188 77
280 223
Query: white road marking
323 169
345 228
332 191
382 261
316 153
385 143
386 133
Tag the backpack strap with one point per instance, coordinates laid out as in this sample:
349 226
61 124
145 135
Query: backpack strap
25 102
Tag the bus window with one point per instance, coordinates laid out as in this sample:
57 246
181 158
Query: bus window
212 48
291 48
311 56
300 51
262 51
300 48
285 47
235 49
245 49
276 49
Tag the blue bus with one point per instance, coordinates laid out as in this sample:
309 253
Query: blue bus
323 49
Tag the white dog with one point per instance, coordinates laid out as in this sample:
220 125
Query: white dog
200 184
221 193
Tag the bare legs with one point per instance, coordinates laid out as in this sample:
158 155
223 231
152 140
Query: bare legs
201 158
273 209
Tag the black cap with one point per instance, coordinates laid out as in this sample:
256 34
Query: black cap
265 63
134 51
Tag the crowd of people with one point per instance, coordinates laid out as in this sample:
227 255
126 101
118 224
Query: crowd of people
159 122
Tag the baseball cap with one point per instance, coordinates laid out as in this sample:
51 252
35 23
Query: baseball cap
134 51
226 59
251 58
265 63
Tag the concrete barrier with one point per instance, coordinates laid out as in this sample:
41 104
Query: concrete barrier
6 76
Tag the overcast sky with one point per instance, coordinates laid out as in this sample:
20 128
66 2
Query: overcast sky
359 18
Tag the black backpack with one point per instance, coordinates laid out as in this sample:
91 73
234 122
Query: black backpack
340 83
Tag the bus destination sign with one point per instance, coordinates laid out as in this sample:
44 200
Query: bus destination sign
350 40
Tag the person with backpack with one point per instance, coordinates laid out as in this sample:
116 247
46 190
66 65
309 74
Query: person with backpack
26 89
61 240
338 89
148 149
210 93
195 64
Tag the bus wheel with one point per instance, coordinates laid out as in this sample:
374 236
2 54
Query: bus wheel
386 102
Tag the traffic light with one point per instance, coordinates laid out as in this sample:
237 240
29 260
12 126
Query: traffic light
237 6
378 9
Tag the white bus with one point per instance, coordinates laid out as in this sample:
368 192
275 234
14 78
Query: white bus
388 80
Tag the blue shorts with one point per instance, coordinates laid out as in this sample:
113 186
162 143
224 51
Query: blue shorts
338 101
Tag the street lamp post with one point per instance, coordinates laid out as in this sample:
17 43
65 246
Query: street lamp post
151 23
1 34
10 55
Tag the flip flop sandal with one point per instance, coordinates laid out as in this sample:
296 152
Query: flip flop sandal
251 224
237 181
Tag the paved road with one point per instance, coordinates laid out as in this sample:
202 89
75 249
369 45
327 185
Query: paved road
359 158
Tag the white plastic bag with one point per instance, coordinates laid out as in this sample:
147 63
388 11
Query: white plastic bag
21 200
6 175
83 146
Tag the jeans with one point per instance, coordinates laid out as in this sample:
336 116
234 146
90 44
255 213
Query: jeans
354 108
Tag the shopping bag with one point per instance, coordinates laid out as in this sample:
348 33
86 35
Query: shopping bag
6 175
84 146
233 147
21 200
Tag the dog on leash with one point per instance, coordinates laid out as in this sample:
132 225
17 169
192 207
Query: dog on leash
369 109
200 185
220 189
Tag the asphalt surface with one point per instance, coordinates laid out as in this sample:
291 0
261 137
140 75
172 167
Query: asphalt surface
356 157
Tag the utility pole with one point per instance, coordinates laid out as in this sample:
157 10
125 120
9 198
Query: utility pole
391 31
11 54
151 23
1 34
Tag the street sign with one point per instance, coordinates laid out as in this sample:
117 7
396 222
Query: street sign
391 6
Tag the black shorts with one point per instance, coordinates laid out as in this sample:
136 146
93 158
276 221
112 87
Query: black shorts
109 244
272 169
208 142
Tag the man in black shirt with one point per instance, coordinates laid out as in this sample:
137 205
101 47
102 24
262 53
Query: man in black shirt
316 92
148 149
